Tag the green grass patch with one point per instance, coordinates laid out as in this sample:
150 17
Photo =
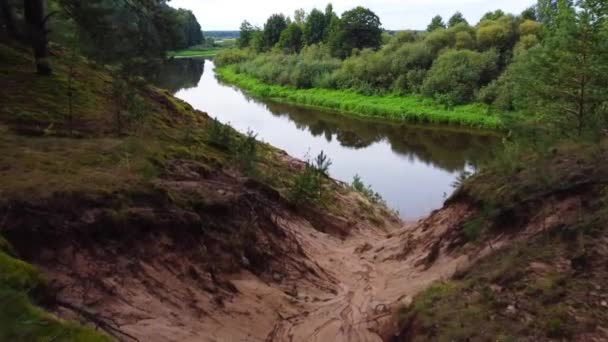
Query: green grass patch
208 52
21 319
410 108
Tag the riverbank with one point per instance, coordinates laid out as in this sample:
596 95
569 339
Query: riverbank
195 53
408 108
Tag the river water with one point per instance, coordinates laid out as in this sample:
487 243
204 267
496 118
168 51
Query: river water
413 167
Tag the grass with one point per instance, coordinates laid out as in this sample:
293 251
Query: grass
21 319
544 288
410 108
42 160
190 53
519 294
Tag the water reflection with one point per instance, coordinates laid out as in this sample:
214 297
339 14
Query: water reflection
178 74
412 167
448 148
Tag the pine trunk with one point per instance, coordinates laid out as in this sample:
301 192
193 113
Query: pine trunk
35 17
8 18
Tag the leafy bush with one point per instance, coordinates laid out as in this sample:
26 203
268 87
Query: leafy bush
232 56
457 75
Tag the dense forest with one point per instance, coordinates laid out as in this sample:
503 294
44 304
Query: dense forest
549 61
113 32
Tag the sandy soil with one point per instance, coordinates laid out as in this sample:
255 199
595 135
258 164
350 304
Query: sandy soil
348 293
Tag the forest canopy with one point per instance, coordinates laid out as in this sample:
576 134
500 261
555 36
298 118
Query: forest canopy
109 31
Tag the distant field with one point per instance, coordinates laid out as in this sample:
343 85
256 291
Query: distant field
209 52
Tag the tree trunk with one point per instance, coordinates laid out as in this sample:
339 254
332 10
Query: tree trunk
8 18
35 17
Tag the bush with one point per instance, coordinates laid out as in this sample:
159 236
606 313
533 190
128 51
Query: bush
245 153
232 56
219 135
457 75
308 184
368 72
367 191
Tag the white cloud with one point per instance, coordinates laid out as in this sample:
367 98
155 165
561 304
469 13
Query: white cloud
394 14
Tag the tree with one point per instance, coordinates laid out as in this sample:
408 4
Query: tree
436 23
358 28
272 30
36 20
529 14
565 79
299 17
456 19
493 15
315 27
291 39
7 19
258 43
331 18
247 31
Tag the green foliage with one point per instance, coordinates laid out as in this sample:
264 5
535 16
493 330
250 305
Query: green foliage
219 134
113 31
307 187
304 70
20 320
436 23
457 75
246 34
498 34
473 228
315 27
367 191
493 15
129 106
358 28
412 108
456 19
232 56
563 79
196 52
245 153
291 39
272 30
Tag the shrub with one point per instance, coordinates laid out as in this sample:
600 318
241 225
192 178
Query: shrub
308 184
457 74
245 153
219 135
367 191
232 56
365 70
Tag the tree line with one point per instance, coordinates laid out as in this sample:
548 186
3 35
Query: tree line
110 31
358 28
549 61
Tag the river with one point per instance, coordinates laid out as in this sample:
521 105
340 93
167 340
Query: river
412 167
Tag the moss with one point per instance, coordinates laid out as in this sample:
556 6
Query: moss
20 320
18 274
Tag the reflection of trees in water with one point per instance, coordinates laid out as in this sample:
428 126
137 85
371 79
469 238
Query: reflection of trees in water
451 150
179 73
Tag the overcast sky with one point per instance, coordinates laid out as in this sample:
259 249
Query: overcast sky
394 14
